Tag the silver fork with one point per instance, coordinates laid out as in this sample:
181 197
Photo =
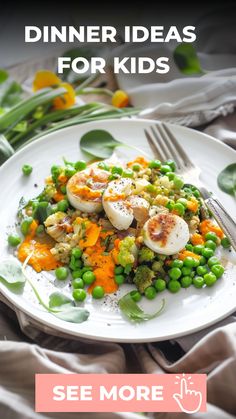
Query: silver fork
165 146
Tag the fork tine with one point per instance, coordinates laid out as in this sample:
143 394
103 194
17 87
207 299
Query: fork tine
153 146
160 143
178 147
173 154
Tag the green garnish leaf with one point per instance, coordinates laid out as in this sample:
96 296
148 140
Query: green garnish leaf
64 308
134 313
57 299
11 275
186 59
227 180
73 314
42 210
6 149
99 143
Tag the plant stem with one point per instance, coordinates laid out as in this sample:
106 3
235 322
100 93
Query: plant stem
94 90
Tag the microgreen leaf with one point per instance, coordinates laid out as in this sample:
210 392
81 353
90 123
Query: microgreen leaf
227 180
134 313
3 75
11 274
186 59
99 143
57 299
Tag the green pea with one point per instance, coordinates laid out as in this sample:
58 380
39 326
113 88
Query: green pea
113 177
198 249
175 273
160 284
88 277
179 208
80 165
154 164
172 164
165 168
119 270
177 263
174 286
186 271
25 225
170 204
211 236
63 205
78 283
202 270
183 201
217 270
77 274
189 247
186 281
207 252
151 188
196 263
27 169
70 171
225 243
171 175
189 262
213 261
210 244
61 273
117 170
77 252
196 193
178 182
202 260
13 240
135 295
136 167
98 292
210 279
79 294
128 173
198 281
150 293
119 279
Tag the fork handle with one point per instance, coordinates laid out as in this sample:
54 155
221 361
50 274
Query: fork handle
227 223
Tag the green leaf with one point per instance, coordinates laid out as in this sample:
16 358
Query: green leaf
64 308
6 149
42 211
186 59
134 313
99 143
11 274
3 75
227 180
73 314
57 299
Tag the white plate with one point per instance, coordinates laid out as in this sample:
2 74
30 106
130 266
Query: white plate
189 310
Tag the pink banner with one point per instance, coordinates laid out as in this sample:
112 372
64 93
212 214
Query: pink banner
120 393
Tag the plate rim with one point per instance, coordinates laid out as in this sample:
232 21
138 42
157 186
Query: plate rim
75 334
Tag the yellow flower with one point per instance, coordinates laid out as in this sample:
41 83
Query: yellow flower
120 99
46 78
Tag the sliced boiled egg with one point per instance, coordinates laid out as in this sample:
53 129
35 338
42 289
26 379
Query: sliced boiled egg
166 234
85 189
116 205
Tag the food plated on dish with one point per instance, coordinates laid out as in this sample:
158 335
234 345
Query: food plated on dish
107 223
